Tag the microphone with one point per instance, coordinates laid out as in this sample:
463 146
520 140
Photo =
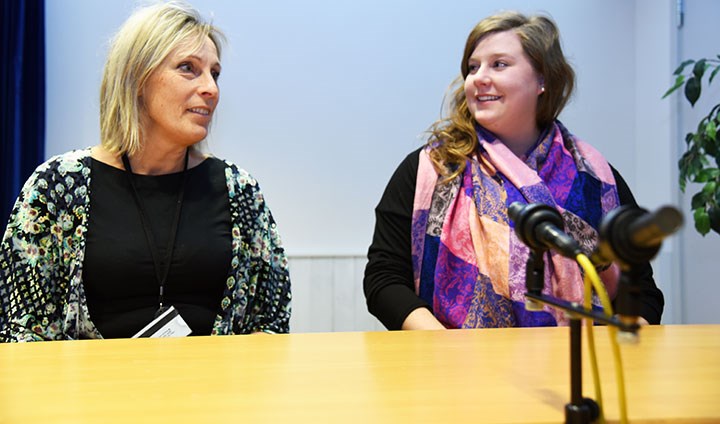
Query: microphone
541 227
631 235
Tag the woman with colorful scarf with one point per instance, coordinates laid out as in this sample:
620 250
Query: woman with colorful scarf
444 253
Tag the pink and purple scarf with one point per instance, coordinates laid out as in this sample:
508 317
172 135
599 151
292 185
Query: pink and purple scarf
467 261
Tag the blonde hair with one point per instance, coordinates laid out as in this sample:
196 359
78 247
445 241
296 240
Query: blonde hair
454 138
138 48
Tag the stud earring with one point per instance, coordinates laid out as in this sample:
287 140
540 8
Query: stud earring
542 88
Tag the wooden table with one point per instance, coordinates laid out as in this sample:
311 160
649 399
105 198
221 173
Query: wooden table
481 376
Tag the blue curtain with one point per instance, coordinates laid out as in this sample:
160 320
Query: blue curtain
22 96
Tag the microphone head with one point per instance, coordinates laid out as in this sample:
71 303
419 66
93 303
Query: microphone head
529 218
631 235
651 228
514 211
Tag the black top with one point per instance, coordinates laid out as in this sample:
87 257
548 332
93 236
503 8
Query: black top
388 282
118 272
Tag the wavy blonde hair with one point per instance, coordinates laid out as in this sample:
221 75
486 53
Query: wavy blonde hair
138 48
454 138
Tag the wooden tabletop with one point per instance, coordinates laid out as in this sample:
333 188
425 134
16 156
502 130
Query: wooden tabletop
482 376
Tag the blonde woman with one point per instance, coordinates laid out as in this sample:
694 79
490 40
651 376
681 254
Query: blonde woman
103 241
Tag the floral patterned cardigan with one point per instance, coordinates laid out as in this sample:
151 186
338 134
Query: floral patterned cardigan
42 251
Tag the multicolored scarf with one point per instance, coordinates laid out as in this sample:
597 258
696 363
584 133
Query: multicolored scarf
468 262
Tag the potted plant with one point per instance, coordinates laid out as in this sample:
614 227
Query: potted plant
701 161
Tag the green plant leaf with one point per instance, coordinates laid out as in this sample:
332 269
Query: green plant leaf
700 132
678 83
702 221
698 200
711 129
699 68
716 143
709 189
683 174
692 90
691 162
699 176
700 161
713 73
710 146
707 174
714 217
696 159
706 144
682 66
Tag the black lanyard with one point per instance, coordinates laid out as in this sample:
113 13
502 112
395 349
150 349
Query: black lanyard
161 276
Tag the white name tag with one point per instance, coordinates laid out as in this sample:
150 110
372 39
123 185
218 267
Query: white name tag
167 324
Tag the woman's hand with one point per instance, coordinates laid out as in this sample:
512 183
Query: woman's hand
422 319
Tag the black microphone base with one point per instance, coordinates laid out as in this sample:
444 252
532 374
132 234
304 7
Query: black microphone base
587 412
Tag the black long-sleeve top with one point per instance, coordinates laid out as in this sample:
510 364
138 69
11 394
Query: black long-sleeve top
388 283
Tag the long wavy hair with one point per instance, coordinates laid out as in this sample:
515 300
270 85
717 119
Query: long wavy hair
138 48
454 138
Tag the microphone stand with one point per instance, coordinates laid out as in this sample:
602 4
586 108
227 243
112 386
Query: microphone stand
629 236
580 410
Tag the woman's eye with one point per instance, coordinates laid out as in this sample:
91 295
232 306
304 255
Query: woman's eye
215 75
500 64
472 68
185 67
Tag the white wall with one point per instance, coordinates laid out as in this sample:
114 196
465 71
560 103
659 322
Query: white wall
322 99
654 148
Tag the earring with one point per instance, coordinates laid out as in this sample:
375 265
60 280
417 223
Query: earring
542 88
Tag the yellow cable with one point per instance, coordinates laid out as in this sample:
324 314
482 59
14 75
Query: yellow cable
594 278
591 349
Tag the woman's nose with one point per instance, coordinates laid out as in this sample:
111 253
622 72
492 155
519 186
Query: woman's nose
208 86
480 77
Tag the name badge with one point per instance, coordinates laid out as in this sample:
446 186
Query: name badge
167 324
